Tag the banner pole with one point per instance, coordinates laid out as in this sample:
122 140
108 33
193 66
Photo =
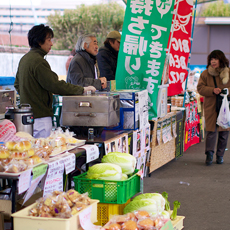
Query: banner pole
186 81
170 42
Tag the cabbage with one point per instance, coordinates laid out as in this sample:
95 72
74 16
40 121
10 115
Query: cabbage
160 200
124 177
166 215
148 205
126 161
105 171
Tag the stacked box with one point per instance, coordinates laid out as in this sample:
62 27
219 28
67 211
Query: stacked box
112 192
106 211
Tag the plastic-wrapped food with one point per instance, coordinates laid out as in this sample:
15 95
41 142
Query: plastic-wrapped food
16 166
34 160
2 167
129 225
73 195
59 205
4 153
138 220
18 146
146 223
19 155
43 152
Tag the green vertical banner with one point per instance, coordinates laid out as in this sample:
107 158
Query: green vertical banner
142 53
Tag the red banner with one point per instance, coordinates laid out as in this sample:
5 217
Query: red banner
192 131
180 46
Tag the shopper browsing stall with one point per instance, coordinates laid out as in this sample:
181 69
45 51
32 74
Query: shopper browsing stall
212 81
83 69
108 54
36 82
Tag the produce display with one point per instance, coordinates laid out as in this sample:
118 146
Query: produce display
115 166
148 211
126 161
137 220
60 204
17 156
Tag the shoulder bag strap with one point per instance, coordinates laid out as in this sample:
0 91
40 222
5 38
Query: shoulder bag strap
214 79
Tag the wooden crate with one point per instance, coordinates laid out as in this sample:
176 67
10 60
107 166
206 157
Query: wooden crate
178 223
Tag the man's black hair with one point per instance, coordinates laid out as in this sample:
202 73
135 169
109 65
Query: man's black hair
38 35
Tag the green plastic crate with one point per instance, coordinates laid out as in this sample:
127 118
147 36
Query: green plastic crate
112 192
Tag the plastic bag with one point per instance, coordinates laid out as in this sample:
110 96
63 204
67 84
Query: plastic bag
223 119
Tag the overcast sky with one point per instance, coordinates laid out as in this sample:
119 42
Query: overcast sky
56 2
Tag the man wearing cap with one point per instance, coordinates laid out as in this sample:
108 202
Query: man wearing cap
107 55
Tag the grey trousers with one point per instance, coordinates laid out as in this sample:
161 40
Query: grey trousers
221 143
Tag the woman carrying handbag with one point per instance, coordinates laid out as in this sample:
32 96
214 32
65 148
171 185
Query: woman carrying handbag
211 83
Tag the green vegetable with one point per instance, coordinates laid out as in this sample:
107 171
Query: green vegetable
126 161
176 205
160 201
124 177
167 203
166 215
148 205
105 171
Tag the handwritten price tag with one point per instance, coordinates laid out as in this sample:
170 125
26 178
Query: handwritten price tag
24 181
85 219
92 152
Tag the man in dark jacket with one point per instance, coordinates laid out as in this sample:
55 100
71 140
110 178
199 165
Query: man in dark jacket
107 55
83 69
36 82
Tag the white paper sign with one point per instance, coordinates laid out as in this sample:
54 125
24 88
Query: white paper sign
92 152
24 181
69 161
85 221
54 178
33 186
143 104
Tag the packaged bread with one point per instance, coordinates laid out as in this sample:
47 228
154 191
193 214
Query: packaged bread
34 160
43 152
18 146
4 154
11 145
19 155
23 145
16 166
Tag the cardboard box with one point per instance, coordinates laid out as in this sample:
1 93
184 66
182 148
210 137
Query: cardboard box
22 221
5 207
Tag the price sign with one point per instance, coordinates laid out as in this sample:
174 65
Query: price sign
24 181
54 178
92 152
85 221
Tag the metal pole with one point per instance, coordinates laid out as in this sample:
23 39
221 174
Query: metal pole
186 82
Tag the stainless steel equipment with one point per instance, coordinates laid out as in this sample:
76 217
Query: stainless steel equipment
22 117
100 110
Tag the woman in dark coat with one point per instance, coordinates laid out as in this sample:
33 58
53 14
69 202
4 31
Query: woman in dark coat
217 68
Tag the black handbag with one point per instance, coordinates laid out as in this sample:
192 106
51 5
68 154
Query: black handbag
219 98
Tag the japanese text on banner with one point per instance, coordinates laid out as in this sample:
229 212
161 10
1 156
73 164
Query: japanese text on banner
180 47
143 46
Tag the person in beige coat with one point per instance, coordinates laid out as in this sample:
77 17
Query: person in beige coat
217 68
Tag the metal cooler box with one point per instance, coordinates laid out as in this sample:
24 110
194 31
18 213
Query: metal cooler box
100 109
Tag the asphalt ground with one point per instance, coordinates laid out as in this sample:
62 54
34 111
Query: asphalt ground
203 191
